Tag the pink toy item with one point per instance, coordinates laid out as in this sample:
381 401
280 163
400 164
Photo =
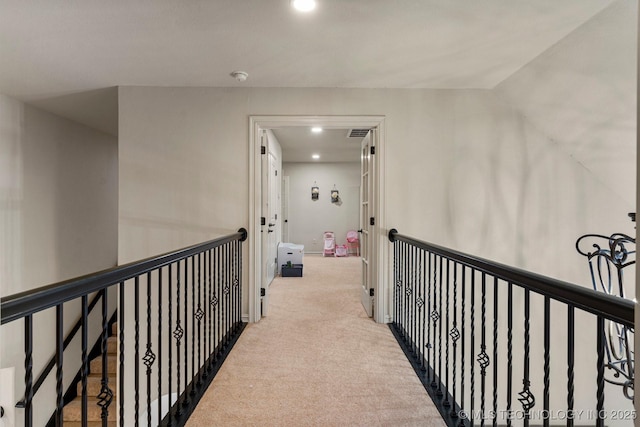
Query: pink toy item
329 244
353 243
341 250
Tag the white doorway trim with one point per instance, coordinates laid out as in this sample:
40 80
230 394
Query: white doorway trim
382 297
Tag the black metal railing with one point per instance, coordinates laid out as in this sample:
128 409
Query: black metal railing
497 345
198 290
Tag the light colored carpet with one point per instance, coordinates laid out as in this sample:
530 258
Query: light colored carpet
316 360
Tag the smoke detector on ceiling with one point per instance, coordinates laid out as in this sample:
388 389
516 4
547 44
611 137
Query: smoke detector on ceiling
240 76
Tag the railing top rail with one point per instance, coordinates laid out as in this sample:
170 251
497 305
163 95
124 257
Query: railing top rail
22 304
618 309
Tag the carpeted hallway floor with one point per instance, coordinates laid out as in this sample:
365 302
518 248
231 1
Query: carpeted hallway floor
316 360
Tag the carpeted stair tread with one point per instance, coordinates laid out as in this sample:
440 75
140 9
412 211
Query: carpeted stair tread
89 424
73 411
94 384
95 365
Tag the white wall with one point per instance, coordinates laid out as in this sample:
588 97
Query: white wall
58 217
308 219
464 169
581 95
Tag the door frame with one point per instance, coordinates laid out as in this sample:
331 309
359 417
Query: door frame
382 296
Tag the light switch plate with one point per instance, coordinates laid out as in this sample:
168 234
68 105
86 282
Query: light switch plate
7 397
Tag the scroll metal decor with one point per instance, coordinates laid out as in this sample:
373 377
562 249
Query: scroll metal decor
608 257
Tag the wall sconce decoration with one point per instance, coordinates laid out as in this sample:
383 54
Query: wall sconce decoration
315 192
335 195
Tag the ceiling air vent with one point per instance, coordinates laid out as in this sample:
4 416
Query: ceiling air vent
358 133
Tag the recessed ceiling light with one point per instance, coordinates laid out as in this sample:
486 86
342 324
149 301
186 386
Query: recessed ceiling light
315 156
316 129
303 5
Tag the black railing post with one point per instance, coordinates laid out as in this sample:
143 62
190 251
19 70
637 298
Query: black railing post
85 359
495 352
570 363
547 360
509 353
160 304
446 402
169 336
600 342
136 364
149 356
462 346
28 370
106 394
59 363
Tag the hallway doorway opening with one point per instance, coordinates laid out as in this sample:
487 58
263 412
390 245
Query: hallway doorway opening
267 214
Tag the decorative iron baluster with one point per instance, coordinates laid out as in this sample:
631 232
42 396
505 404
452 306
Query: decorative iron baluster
186 400
483 357
220 300
160 344
526 398
28 370
600 342
472 345
169 335
149 356
462 347
396 282
227 295
434 317
209 298
240 280
106 395
85 358
428 319
236 284
198 316
547 344
570 363
455 336
207 310
193 323
509 352
495 352
412 297
178 333
439 392
136 348
405 284
421 301
446 402
59 362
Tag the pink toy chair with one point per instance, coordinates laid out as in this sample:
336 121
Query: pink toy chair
329 244
353 243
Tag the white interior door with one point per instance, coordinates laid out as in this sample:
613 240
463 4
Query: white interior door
271 218
366 222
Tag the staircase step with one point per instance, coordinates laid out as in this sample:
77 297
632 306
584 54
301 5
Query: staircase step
89 424
95 366
114 329
112 345
94 384
73 411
